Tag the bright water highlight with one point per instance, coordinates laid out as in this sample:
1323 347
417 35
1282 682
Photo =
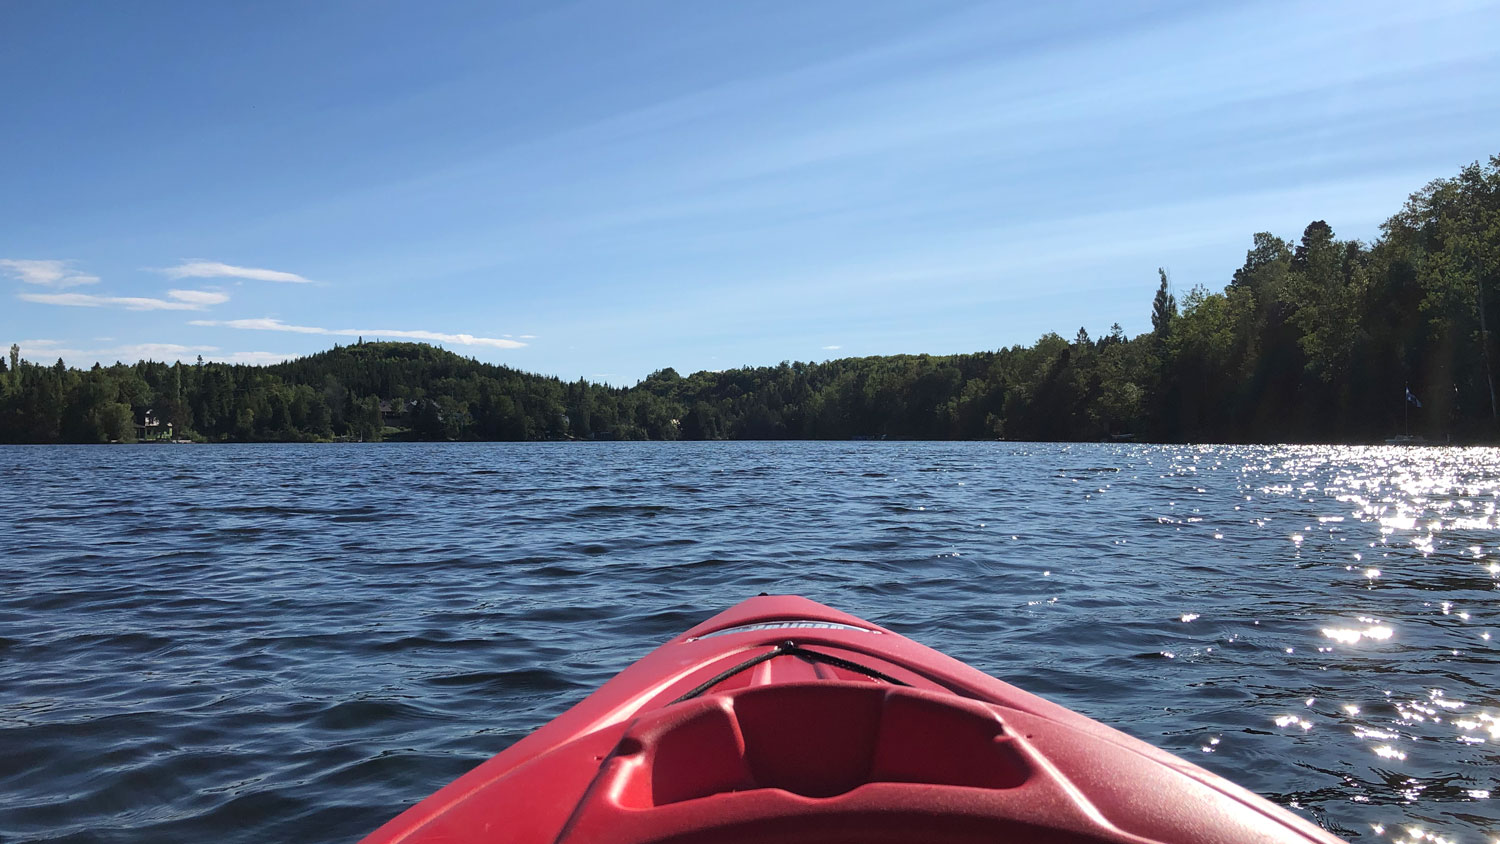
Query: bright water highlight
249 643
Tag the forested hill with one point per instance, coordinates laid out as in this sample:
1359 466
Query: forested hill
1314 340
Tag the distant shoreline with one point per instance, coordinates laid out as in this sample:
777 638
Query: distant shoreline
1315 340
889 441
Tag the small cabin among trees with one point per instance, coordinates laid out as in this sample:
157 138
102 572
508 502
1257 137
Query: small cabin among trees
149 426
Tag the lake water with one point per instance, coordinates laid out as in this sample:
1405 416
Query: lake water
292 643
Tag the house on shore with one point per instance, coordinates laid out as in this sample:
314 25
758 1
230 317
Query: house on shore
149 426
393 411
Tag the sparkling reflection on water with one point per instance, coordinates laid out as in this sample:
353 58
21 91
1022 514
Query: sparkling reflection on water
294 642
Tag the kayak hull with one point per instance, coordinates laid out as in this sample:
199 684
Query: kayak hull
781 719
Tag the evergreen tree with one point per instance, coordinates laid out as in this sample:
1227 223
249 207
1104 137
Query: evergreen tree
1163 309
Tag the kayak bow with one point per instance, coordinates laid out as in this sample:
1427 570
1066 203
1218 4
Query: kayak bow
781 719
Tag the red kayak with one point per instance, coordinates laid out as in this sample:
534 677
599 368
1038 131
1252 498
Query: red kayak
784 720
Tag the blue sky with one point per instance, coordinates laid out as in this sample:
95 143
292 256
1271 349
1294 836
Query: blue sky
601 189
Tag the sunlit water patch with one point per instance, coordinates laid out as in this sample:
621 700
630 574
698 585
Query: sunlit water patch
251 643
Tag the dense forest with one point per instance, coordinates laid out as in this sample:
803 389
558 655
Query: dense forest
1313 340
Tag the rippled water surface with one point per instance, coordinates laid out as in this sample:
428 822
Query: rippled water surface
292 643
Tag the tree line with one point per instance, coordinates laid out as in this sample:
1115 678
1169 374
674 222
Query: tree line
1316 339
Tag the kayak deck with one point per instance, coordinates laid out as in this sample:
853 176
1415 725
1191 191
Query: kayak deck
781 719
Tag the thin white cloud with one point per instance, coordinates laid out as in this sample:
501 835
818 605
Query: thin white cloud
381 333
46 273
263 325
215 269
42 345
48 350
831 348
199 297
171 352
129 303
154 351
252 358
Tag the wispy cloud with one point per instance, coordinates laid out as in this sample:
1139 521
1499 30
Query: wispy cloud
154 351
131 352
171 352
199 297
46 350
832 348
252 358
46 273
382 333
181 300
215 269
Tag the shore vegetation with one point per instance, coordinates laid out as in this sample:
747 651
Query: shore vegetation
1313 339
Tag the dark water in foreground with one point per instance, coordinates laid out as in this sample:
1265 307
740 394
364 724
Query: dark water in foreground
291 643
